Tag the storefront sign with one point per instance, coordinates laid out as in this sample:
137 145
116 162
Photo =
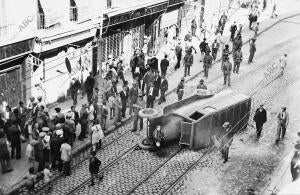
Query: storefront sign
135 14
16 49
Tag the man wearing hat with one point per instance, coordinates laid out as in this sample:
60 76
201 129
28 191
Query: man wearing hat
74 87
163 89
180 89
133 95
178 53
295 163
260 117
141 104
225 53
237 58
71 124
150 96
224 140
188 62
124 98
164 63
203 46
55 145
201 85
89 86
252 50
237 42
215 47
41 102
283 121
226 68
207 62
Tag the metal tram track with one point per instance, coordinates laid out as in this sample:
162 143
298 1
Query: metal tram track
140 183
86 153
267 101
104 168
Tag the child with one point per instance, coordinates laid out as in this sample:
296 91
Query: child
30 180
47 176
111 101
104 114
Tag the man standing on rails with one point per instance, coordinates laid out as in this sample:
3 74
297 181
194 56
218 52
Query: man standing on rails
224 141
283 121
226 68
178 52
215 47
207 62
252 50
237 58
180 89
188 62
260 117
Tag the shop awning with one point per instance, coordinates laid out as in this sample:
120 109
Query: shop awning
16 49
169 19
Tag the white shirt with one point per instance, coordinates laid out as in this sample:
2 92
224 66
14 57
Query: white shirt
65 150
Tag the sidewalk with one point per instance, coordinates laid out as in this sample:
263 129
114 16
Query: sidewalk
20 166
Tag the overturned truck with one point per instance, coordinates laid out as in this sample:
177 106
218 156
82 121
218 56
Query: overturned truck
194 120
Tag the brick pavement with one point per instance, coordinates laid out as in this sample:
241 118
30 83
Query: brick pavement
196 68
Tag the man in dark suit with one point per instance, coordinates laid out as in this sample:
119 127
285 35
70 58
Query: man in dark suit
150 96
178 52
75 116
154 63
21 116
89 86
163 89
164 63
124 98
260 117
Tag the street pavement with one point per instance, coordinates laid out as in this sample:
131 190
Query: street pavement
173 78
118 176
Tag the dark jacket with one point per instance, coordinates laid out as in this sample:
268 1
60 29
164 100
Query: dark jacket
89 83
260 117
156 85
124 97
203 46
164 63
178 50
164 85
55 144
133 94
94 164
4 153
154 63
14 134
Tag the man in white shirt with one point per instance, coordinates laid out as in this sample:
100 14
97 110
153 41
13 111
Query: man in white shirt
283 121
66 155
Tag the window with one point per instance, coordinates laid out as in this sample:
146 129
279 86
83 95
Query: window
222 117
196 115
237 116
230 115
73 11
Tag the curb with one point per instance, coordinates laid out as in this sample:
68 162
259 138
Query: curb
15 188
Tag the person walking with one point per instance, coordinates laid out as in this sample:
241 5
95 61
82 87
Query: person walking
96 136
260 117
124 98
224 140
133 96
118 109
94 164
188 62
194 27
89 86
111 105
150 96
104 114
237 59
141 104
14 133
283 121
66 155
226 68
237 42
203 46
256 29
233 29
207 62
4 154
164 63
83 120
163 89
180 89
215 47
156 85
252 50
178 53
74 87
